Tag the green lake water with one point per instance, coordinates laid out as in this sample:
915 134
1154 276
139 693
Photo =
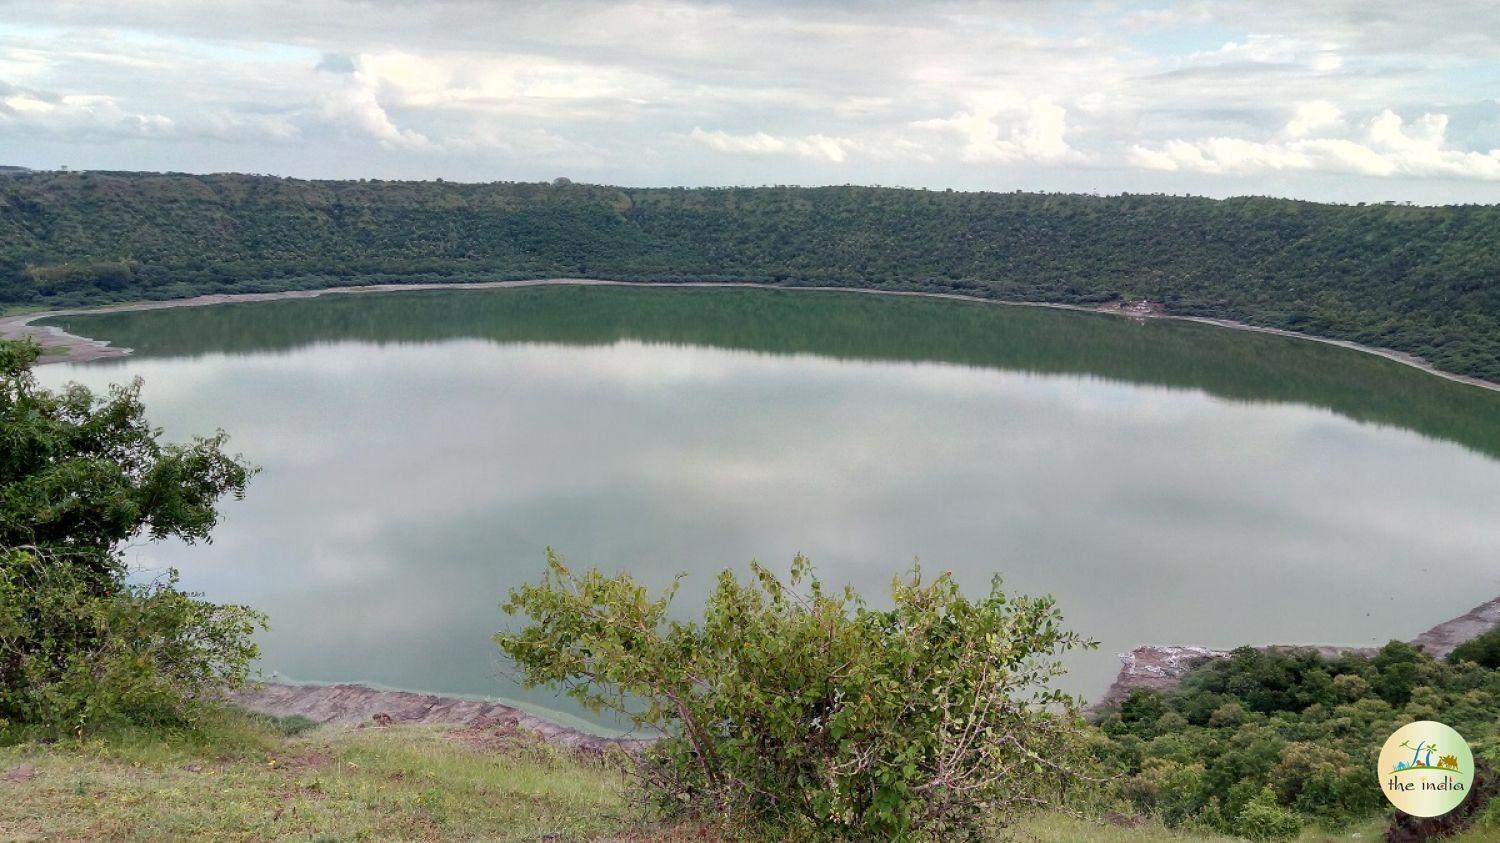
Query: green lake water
1168 482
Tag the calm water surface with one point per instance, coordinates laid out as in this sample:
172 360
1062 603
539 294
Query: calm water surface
1168 482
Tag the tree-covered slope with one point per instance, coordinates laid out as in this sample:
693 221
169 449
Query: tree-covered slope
1419 279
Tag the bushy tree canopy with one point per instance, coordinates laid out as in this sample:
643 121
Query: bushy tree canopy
810 712
84 473
80 642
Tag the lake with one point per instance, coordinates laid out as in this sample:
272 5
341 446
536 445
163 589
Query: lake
1168 482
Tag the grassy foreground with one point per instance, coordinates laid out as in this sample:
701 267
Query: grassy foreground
245 778
249 778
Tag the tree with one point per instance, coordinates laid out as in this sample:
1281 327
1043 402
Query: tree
1483 650
80 642
806 711
84 474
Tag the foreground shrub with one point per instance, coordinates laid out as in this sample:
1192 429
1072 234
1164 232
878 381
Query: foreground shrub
81 644
807 712
1263 819
75 657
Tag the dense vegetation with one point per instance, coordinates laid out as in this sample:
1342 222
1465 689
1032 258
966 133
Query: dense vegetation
801 712
1263 742
81 645
1422 280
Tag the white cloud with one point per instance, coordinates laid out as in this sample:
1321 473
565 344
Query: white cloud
103 117
97 115
1387 131
1312 117
1076 94
357 110
820 147
1452 28
1320 56
999 131
497 82
1386 147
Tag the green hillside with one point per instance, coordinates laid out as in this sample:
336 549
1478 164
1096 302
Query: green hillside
1425 280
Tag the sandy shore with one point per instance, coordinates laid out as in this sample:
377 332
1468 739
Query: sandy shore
64 347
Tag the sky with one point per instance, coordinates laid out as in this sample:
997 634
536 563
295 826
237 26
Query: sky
1335 100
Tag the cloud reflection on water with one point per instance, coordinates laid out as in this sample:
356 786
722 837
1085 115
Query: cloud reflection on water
408 486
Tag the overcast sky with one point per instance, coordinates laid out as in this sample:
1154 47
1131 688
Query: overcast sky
1333 99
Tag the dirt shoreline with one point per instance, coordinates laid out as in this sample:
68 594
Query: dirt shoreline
353 704
76 349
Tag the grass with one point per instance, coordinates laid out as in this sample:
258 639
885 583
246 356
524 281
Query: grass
248 778
20 309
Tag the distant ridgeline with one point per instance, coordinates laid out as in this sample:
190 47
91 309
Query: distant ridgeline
1417 279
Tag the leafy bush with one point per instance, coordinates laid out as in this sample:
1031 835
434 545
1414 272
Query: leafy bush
807 712
1168 789
1263 819
84 473
80 643
1484 650
76 656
